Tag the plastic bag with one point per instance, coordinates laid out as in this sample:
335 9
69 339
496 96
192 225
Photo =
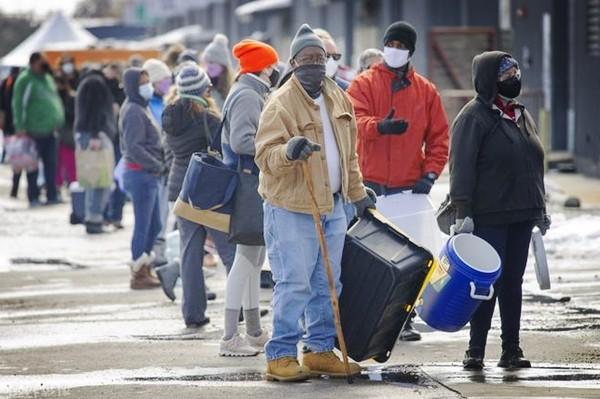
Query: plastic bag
21 153
94 167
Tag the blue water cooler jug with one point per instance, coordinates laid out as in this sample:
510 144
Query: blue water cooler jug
465 275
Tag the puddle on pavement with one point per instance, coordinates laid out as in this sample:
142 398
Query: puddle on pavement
229 377
10 384
545 299
543 376
48 261
397 375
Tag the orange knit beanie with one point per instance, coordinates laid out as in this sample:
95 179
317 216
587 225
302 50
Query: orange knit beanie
254 56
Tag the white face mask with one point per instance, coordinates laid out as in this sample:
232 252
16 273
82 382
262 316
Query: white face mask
68 68
146 91
395 57
331 67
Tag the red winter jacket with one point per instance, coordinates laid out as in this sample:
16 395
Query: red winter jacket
399 161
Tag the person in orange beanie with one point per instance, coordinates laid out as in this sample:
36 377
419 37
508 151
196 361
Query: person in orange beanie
242 109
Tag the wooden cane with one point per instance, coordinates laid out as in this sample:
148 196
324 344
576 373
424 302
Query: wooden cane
325 252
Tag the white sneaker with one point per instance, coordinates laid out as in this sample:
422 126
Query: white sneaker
259 342
237 346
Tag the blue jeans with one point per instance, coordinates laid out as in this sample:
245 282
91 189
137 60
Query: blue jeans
163 197
350 211
301 289
116 202
143 189
96 200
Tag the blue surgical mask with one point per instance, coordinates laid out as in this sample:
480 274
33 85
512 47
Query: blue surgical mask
146 91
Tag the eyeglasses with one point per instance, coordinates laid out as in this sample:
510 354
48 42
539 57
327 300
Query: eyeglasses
336 56
312 59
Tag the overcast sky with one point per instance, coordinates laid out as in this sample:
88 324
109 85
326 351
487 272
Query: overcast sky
39 7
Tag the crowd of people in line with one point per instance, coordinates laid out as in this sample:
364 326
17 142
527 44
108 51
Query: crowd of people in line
383 132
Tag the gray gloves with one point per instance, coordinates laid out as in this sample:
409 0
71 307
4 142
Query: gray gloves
462 226
300 148
389 125
544 223
366 203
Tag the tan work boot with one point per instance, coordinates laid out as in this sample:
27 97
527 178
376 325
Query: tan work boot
327 363
143 278
286 369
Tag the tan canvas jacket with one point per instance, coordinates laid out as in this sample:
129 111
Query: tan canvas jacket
291 112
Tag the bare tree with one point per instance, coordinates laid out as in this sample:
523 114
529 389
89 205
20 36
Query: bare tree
95 9
13 30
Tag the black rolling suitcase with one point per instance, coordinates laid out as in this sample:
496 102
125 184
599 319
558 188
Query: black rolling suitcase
383 273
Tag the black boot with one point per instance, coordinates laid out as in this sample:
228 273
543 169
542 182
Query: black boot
473 360
168 276
210 296
409 333
512 358
94 228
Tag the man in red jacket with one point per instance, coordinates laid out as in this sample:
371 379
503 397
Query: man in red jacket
402 126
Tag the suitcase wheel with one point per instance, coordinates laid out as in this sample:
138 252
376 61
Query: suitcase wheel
382 358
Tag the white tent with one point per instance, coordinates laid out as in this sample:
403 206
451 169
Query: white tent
57 33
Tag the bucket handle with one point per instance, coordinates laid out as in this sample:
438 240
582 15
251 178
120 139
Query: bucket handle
481 297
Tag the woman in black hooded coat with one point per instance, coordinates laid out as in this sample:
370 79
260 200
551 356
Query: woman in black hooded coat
497 187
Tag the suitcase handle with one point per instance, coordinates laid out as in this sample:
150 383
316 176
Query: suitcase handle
481 297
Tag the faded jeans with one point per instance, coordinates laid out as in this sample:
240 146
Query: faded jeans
301 289
143 189
96 199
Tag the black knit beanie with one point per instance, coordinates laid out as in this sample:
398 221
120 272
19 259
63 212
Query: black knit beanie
403 32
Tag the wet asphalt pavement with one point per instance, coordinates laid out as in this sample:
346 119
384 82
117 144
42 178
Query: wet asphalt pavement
71 328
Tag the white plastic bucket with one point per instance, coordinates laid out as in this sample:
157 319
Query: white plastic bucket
172 248
414 214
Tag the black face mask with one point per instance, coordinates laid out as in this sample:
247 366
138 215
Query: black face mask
510 88
274 77
311 78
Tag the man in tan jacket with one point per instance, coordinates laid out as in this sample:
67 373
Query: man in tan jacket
308 119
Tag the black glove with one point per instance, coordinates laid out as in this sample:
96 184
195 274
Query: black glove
424 185
371 193
392 126
365 203
544 224
300 148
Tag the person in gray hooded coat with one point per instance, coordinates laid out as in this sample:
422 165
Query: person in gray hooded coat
140 145
258 74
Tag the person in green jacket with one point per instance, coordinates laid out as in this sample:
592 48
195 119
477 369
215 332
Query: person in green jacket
38 112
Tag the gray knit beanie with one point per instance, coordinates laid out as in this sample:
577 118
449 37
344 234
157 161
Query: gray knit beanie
305 37
192 81
217 51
